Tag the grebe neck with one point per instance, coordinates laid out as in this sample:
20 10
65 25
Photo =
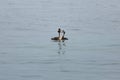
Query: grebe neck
60 37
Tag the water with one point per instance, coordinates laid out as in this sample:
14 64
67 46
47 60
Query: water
91 53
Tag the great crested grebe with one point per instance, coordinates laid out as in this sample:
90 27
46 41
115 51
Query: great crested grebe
60 37
63 37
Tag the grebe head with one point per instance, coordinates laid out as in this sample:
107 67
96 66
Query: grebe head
59 30
63 33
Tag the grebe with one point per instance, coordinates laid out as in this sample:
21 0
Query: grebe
59 36
64 38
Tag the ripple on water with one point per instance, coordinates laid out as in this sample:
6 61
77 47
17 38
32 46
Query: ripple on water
31 76
75 29
3 53
41 62
114 45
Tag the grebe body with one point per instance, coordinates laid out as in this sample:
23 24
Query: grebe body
57 38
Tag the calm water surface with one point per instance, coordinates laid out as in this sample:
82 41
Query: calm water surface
91 53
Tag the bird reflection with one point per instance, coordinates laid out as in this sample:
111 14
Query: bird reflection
62 56
61 47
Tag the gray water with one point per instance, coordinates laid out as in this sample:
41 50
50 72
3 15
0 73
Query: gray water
28 53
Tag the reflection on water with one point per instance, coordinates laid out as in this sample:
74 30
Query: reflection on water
61 47
62 59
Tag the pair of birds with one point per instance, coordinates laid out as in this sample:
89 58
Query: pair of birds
60 37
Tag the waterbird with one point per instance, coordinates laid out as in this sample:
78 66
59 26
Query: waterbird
60 37
63 37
